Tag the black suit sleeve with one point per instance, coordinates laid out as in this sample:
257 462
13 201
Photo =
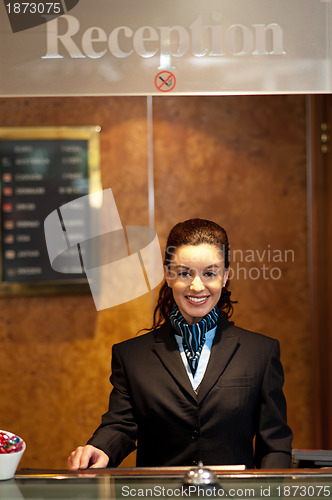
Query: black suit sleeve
273 436
116 435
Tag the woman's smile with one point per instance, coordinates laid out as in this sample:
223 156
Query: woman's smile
197 300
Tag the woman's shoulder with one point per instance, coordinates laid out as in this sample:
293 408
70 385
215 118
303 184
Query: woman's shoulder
141 339
246 335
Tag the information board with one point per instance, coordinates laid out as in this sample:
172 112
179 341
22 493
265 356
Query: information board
41 170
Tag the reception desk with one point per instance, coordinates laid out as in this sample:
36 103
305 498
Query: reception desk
162 483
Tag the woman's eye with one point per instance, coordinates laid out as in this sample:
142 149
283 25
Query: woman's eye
184 274
210 274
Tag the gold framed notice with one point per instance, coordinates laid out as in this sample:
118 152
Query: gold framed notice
41 170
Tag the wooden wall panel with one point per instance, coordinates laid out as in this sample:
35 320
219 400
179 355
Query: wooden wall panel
241 161
55 351
237 160
320 172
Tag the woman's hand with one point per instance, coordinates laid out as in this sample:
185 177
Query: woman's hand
87 456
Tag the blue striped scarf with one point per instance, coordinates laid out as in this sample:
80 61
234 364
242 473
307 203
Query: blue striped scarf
193 336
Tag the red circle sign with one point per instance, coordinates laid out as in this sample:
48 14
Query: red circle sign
165 81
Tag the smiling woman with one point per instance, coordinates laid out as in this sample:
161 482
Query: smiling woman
197 254
195 387
196 276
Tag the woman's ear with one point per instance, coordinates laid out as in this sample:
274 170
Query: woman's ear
225 277
167 276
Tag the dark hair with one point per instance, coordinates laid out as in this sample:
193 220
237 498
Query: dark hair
193 232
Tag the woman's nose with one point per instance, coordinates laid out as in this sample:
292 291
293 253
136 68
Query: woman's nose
197 284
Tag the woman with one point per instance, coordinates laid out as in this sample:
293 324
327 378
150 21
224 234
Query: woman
195 387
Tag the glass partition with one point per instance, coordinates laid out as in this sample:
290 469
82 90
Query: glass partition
157 48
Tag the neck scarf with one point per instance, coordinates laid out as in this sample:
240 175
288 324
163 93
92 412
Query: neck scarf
193 336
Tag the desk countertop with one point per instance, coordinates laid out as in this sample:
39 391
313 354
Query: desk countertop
153 483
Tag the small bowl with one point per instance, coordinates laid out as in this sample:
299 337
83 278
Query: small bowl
9 461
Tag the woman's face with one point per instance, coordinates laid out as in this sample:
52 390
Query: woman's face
196 275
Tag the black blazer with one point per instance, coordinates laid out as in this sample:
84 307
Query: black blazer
153 404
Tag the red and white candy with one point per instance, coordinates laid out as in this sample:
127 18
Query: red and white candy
10 443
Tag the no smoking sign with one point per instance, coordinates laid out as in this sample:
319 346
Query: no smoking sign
165 81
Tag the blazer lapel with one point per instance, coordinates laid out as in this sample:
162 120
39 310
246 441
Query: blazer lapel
167 350
223 348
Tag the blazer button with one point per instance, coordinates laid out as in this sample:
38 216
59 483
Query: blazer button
194 435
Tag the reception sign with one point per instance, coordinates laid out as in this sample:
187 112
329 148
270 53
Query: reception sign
153 47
